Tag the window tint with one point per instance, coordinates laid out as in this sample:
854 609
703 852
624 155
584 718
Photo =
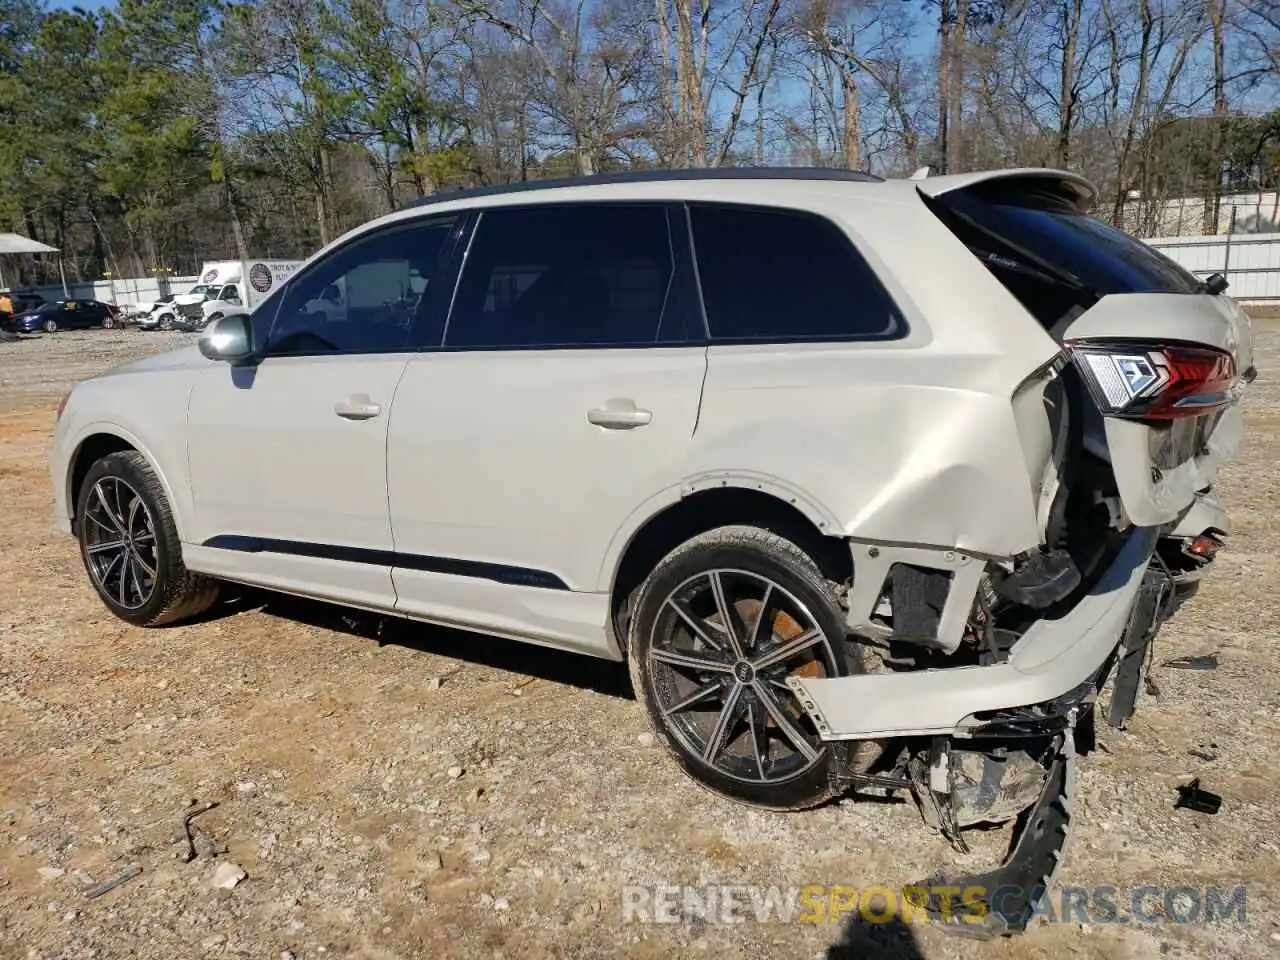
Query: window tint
364 297
1053 229
784 275
568 276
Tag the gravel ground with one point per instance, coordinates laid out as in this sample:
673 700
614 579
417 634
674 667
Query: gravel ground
433 793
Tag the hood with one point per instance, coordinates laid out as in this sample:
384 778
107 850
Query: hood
183 358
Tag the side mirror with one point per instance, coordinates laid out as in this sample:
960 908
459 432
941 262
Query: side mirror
229 339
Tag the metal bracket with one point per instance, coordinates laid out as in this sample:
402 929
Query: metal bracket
871 565
808 704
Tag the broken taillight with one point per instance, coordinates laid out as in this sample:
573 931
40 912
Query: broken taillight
1203 547
1156 382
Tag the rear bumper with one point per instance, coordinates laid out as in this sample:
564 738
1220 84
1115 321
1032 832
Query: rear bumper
1053 658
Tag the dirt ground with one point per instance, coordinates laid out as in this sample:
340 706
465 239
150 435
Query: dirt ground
440 794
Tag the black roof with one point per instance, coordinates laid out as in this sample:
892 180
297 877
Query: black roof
654 176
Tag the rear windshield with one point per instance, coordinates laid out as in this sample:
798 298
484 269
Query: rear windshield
1050 254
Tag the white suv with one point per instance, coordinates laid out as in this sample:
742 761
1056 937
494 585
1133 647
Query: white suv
864 478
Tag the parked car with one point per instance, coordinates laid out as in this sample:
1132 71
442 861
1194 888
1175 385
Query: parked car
66 315
22 302
864 479
159 316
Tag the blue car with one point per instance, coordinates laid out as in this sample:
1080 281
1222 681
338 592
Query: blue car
65 315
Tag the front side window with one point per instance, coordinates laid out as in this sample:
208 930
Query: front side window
229 292
569 275
364 297
784 275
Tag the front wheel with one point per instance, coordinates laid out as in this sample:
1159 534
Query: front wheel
130 547
202 322
166 322
50 325
720 624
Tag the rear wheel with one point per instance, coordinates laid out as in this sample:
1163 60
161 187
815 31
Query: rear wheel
130 547
720 624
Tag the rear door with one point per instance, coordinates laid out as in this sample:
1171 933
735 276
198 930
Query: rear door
562 402
1163 358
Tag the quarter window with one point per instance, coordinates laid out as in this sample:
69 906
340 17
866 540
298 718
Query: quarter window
782 275
569 275
364 297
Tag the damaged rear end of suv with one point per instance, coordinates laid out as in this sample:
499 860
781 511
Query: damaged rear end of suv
981 669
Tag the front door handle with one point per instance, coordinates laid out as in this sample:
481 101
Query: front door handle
619 414
358 406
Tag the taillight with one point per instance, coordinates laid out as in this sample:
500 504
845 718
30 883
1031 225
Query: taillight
1156 383
1203 547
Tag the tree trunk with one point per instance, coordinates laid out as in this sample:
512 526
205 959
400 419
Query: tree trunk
1213 199
323 213
237 230
1071 14
667 97
944 85
955 93
852 118
692 110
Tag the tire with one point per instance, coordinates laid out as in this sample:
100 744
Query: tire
166 322
144 582
202 322
50 326
753 566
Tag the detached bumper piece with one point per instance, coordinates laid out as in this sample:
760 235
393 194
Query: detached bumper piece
1156 602
1003 901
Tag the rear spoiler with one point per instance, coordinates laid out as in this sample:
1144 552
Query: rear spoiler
1082 191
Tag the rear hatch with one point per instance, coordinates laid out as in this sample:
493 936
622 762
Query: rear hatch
1163 354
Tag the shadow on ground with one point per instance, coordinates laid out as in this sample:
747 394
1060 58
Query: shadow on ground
588 673
864 940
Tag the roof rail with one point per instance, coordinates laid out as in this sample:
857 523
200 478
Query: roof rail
654 176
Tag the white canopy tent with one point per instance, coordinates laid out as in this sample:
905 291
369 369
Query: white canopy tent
11 243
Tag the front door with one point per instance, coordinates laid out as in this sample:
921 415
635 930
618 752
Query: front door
288 455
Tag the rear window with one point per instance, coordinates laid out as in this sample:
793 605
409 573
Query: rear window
781 275
1051 254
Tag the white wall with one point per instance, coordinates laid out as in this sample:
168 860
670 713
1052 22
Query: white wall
1250 262
120 292
1257 212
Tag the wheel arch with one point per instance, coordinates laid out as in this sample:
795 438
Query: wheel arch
708 506
101 440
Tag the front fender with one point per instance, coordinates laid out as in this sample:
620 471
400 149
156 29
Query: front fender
67 449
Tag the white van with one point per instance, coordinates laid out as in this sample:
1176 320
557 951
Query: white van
225 286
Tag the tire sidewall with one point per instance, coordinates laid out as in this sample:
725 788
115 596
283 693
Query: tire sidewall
167 549
805 789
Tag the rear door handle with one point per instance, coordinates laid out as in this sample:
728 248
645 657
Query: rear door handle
358 406
619 414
